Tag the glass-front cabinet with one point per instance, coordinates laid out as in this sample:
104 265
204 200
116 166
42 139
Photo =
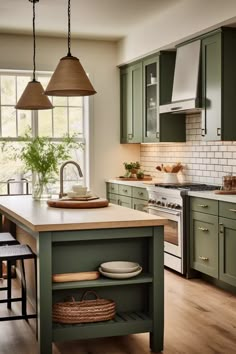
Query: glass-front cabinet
151 99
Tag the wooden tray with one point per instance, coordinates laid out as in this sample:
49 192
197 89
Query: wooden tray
80 276
147 178
78 204
222 191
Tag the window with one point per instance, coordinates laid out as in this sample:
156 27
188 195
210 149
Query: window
69 116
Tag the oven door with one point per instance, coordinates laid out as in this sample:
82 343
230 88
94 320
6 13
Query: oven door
172 230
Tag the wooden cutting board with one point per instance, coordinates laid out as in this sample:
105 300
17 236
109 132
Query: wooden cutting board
80 276
78 204
221 191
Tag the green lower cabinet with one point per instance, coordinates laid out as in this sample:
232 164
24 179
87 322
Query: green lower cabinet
125 201
227 261
127 196
139 204
204 243
113 198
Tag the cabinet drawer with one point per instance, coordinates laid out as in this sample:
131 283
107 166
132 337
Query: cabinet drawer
113 198
125 201
139 204
227 210
204 243
113 188
203 205
140 193
124 190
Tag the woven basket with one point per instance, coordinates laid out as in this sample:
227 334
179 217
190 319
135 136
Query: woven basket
84 311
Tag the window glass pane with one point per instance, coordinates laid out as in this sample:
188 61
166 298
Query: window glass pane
60 101
76 101
8 90
22 82
8 121
24 121
60 121
75 120
44 80
12 169
45 123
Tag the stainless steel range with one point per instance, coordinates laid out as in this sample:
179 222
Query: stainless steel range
169 201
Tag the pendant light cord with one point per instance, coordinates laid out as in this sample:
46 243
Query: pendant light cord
34 42
69 53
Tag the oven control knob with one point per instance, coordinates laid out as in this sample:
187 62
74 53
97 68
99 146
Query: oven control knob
151 201
177 206
162 204
168 205
158 202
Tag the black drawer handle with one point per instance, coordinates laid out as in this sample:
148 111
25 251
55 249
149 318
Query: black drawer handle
141 193
125 190
175 108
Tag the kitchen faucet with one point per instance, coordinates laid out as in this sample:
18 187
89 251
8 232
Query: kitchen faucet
61 174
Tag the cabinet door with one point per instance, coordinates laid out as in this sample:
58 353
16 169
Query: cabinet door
227 262
211 87
125 201
131 104
139 204
151 84
204 243
113 198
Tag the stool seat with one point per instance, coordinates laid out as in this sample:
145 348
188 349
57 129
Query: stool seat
15 252
7 238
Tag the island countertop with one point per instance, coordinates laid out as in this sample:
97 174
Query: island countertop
38 216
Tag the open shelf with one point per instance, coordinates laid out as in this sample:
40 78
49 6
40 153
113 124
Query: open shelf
124 323
102 281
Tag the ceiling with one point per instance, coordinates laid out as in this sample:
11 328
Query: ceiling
95 19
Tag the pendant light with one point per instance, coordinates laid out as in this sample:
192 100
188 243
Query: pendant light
33 96
69 78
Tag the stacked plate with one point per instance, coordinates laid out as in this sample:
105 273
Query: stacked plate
120 269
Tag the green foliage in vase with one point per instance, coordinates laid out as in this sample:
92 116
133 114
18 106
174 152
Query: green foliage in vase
42 155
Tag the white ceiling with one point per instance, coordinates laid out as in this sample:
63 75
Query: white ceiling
99 19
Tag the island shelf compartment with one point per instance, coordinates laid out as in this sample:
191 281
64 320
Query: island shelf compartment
87 255
132 309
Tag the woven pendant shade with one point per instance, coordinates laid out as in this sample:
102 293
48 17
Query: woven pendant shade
69 79
33 97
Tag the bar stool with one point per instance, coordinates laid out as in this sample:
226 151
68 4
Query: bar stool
6 239
9 254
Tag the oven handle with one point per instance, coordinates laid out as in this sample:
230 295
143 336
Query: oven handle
166 211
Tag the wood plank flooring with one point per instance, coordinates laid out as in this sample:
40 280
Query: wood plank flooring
199 318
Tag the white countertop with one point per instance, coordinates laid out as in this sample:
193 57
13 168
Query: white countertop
212 195
141 184
38 216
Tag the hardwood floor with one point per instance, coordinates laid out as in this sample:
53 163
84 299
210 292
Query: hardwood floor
199 318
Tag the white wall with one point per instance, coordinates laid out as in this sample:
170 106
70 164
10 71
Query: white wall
180 22
99 59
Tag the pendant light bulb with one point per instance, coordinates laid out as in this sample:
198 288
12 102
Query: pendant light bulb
69 78
33 97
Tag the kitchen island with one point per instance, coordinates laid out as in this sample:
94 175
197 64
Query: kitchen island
78 240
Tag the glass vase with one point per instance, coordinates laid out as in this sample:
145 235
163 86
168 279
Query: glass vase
40 189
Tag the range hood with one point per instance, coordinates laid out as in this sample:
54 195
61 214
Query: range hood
185 88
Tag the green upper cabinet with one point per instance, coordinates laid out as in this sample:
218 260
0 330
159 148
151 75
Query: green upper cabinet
131 103
158 75
144 86
218 85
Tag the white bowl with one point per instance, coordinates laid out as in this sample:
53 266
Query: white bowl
80 190
120 275
119 267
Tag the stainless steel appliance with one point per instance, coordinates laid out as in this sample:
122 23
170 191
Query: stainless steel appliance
169 201
186 80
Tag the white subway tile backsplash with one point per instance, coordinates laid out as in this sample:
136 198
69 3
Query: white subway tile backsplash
204 161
